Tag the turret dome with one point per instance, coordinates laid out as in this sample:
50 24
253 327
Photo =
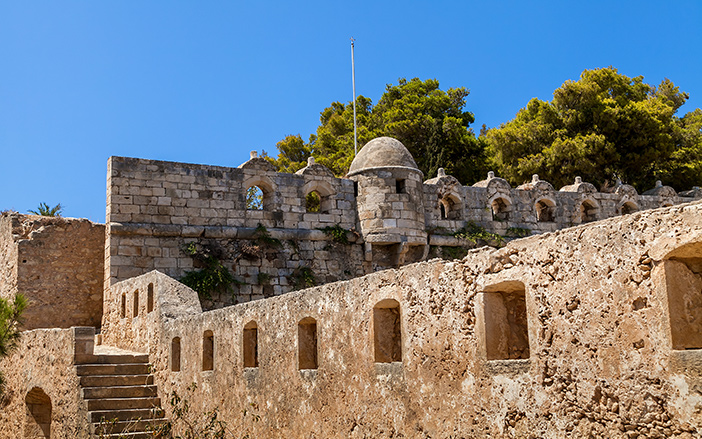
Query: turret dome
383 152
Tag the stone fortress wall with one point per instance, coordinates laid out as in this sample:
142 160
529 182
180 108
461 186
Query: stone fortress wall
155 209
589 331
593 331
51 261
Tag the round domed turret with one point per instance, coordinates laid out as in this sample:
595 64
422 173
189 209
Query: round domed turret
390 203
383 152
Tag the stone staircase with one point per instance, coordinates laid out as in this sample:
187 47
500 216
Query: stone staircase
120 393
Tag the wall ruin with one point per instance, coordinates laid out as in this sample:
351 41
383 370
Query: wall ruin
53 261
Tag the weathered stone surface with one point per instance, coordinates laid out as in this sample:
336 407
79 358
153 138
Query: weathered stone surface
596 317
53 261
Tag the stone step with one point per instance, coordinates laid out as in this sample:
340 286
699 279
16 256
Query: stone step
115 380
123 403
133 426
115 359
113 369
119 392
126 414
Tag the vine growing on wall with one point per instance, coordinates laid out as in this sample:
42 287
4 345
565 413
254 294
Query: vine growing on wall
337 233
302 277
212 277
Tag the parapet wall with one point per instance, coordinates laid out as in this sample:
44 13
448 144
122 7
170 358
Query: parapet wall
578 332
53 260
155 209
159 213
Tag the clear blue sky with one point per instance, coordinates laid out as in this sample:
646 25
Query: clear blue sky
208 81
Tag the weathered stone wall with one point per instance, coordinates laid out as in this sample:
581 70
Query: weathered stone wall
53 260
582 342
44 361
8 257
155 209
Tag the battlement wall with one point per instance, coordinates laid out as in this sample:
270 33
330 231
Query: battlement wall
156 209
552 333
168 216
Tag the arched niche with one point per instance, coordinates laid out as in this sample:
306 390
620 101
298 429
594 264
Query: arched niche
545 210
38 416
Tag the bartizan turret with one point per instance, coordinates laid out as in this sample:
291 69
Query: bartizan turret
390 200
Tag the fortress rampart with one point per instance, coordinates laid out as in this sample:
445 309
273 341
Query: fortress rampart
591 327
155 209
590 331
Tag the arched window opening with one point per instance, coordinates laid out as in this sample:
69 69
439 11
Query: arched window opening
254 198
506 331
313 202
208 351
38 418
442 210
251 344
175 354
123 309
307 343
545 211
136 304
588 212
150 298
500 210
387 331
629 207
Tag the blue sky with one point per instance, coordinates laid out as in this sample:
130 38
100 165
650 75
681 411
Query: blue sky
206 82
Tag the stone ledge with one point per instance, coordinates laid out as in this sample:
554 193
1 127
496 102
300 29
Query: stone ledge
225 232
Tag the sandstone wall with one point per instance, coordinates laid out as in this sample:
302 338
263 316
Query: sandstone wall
56 262
571 333
8 257
43 365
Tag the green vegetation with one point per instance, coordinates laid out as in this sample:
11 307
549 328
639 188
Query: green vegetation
605 126
474 233
336 233
254 198
264 238
263 278
313 203
10 322
302 277
517 232
213 277
430 122
45 210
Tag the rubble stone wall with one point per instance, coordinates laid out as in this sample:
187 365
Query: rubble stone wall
53 260
582 342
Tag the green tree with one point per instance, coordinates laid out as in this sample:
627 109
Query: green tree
10 322
45 210
603 126
431 123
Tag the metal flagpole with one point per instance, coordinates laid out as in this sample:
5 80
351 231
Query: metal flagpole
353 80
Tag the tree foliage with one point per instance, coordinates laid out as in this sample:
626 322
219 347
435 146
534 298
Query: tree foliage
605 126
430 122
45 210
10 322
